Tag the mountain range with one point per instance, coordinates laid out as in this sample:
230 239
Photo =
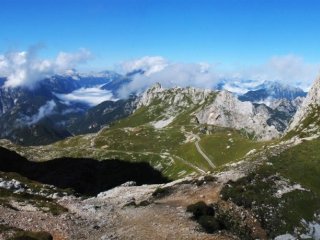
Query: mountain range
221 167
47 112
65 105
271 90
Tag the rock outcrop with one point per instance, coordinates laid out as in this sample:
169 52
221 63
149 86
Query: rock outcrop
177 96
227 111
288 106
214 108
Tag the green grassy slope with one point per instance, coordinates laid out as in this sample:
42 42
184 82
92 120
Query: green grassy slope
167 149
309 125
258 191
171 149
228 145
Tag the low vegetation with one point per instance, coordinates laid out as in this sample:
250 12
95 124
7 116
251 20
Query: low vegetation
309 125
282 192
10 199
214 218
205 216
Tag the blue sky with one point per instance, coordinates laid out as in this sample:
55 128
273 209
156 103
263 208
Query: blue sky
214 31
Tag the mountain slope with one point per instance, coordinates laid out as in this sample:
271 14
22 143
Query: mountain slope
162 131
227 111
283 192
259 189
32 116
101 115
306 122
42 114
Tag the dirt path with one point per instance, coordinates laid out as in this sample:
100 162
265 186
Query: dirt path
190 164
200 151
163 218
204 155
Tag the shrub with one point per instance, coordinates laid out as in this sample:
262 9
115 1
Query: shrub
200 209
209 223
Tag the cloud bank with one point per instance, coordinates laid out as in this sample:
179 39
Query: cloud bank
26 69
288 69
91 96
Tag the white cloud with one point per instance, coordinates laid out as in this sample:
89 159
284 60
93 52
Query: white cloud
26 69
288 69
148 64
174 74
66 61
91 96
45 110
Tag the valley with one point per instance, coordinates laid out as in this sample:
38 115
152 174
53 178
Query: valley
218 167
159 120
179 148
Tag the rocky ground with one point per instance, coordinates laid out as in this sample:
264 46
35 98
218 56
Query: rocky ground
125 212
121 213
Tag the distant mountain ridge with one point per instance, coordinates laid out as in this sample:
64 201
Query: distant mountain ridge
270 90
101 115
177 130
39 115
220 109
50 111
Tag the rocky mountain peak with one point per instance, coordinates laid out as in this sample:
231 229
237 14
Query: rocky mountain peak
227 111
285 105
157 86
177 96
222 109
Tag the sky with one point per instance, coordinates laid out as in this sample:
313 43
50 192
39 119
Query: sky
234 34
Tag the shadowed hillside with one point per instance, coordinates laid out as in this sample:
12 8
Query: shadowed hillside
85 176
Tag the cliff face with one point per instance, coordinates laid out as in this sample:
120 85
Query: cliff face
228 111
183 97
214 108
